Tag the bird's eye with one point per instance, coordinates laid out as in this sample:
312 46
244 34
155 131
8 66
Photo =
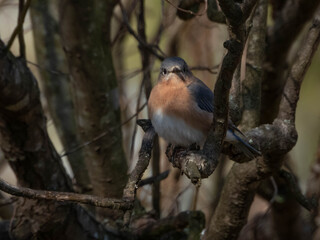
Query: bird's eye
164 71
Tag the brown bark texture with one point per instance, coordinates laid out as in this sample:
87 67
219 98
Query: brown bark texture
257 86
26 145
85 31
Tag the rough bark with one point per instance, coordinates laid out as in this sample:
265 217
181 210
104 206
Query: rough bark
26 145
56 84
274 140
287 26
85 30
251 85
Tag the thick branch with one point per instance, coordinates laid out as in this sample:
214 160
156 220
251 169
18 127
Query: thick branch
251 85
65 197
56 87
275 140
85 28
213 144
287 26
25 143
295 77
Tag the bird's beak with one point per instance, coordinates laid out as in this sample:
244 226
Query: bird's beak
181 76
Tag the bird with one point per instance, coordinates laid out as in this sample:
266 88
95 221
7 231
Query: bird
180 107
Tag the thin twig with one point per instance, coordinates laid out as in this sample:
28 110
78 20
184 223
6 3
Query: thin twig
7 201
152 49
204 68
19 26
154 179
189 11
103 133
22 44
56 72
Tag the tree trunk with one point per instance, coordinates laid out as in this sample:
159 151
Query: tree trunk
85 30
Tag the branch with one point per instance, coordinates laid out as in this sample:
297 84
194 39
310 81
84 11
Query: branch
25 143
292 185
251 85
287 26
154 179
129 192
213 144
19 26
274 140
65 197
152 49
214 14
295 77
186 7
22 44
103 134
201 164
56 85
143 161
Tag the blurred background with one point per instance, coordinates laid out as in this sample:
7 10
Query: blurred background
200 42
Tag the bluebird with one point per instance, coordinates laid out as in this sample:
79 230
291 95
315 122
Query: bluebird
181 108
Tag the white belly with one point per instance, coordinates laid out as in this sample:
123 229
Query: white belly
174 130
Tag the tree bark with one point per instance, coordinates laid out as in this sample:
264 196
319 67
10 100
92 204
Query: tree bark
85 31
25 143
56 84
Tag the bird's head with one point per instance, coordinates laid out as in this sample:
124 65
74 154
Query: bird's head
174 65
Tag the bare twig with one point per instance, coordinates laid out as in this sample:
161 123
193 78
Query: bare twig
105 133
189 11
7 201
19 26
204 68
56 72
308 204
152 49
22 44
154 179
65 197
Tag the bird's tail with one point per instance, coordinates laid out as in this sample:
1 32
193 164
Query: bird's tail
242 144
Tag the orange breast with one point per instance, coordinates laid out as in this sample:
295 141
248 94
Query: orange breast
174 98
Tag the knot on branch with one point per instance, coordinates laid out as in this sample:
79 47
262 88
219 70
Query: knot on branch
289 135
234 46
194 164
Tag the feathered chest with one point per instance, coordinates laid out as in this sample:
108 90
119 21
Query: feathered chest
176 116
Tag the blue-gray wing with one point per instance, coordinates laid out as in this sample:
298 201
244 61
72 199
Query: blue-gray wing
202 95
